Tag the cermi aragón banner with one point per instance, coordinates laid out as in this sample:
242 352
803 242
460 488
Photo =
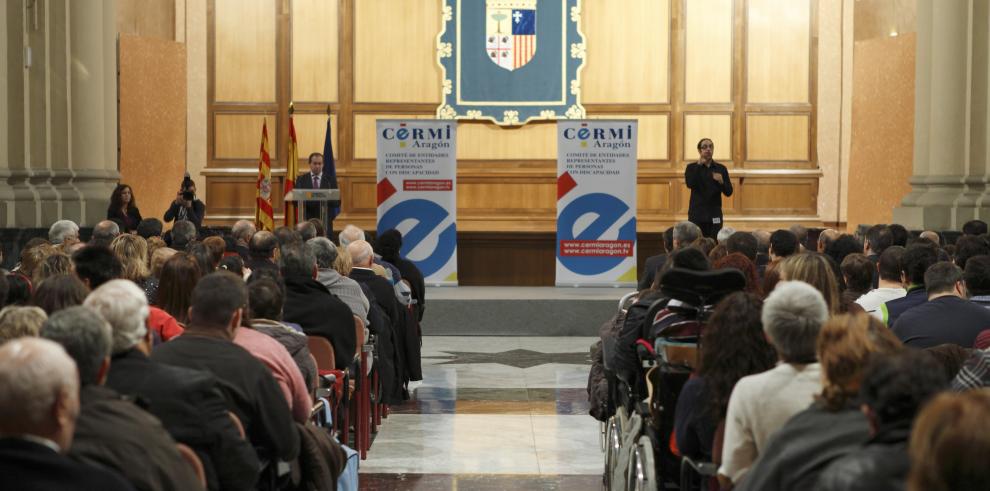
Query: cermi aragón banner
417 179
596 203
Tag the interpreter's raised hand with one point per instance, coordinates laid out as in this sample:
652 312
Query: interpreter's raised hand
718 177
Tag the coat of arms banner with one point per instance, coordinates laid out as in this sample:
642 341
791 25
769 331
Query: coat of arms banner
511 61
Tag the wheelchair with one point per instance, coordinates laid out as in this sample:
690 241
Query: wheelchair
636 438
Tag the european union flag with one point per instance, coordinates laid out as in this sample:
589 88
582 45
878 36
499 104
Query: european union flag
523 22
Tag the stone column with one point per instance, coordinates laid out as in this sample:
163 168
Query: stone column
950 132
61 118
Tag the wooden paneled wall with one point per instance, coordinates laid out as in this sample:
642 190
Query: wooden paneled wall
741 72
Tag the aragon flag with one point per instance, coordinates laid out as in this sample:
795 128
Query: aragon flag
264 218
291 170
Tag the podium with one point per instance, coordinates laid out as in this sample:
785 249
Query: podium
326 198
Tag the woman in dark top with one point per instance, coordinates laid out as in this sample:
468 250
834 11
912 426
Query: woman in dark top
732 347
123 208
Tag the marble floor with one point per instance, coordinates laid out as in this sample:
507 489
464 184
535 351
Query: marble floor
492 413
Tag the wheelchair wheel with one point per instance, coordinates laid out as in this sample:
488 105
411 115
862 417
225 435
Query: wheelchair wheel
613 443
643 467
603 435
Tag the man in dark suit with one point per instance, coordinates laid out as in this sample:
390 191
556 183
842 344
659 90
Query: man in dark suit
316 179
188 402
40 390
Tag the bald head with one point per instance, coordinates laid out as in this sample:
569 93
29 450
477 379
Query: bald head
932 236
105 231
826 238
263 245
41 378
361 253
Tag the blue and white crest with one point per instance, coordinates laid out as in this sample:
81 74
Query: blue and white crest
510 32
495 67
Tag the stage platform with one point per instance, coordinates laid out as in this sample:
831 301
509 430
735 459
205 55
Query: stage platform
518 311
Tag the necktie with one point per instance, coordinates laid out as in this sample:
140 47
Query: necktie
316 181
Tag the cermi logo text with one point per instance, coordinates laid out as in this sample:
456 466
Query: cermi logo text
432 138
615 137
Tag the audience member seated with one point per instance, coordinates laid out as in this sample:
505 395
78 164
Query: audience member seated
20 321
815 270
344 288
103 233
760 404
917 258
34 256
950 442
974 227
235 265
724 234
217 307
283 367
183 234
898 235
683 234
745 244
18 290
745 266
309 304
968 246
950 358
843 246
59 292
262 249
242 231
975 372
150 227
825 239
388 245
801 234
179 276
717 253
112 431
266 299
352 233
783 243
894 389
40 389
623 359
857 274
63 233
287 236
732 346
96 265
833 426
932 236
57 263
976 275
188 402
878 238
947 317
132 252
889 286
306 230
203 257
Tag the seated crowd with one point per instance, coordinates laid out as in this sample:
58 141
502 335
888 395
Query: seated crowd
123 356
847 362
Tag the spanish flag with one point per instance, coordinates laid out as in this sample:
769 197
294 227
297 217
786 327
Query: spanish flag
291 170
264 218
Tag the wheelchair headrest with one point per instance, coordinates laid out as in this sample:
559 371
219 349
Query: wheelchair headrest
700 288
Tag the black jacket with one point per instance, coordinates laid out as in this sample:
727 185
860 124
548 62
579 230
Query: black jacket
116 434
320 313
417 284
881 465
650 269
192 408
248 386
706 192
943 320
384 297
30 466
130 220
194 214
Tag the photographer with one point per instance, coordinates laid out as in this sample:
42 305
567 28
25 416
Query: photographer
186 206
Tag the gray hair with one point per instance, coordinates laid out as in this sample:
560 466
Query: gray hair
792 315
183 232
724 234
351 233
84 335
685 233
62 229
242 230
296 260
360 251
324 251
106 230
125 307
33 374
18 321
